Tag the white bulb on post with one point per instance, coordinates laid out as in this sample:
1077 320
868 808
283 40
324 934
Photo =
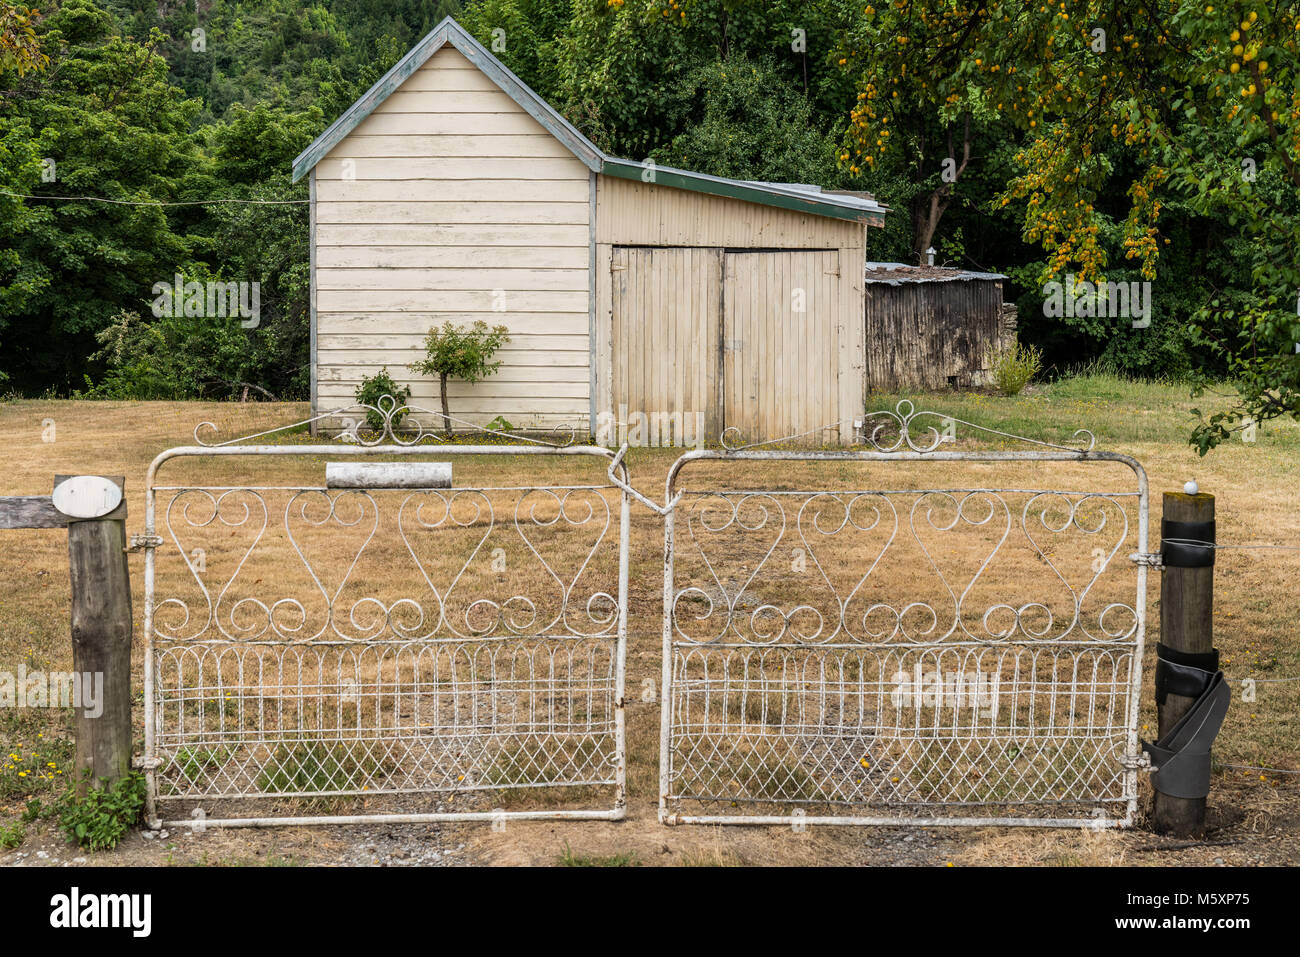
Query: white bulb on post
1191 488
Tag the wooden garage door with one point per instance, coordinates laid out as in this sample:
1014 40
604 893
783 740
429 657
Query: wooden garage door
781 355
664 343
734 339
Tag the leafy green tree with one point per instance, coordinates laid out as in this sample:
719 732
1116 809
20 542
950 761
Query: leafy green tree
635 75
265 240
1104 140
107 117
462 354
19 49
258 145
751 126
915 105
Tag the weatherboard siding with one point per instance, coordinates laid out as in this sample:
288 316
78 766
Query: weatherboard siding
636 213
446 203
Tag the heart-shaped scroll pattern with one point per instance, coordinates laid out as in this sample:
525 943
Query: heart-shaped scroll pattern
1053 514
468 516
940 512
838 530
564 528
733 535
316 509
193 509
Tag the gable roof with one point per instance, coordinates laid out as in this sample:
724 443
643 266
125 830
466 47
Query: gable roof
449 31
785 196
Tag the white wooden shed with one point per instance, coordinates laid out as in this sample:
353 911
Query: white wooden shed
642 302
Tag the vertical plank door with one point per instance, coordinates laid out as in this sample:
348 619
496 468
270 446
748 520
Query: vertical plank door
666 306
781 359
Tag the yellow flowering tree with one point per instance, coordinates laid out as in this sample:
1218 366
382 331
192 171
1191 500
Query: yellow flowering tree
1194 103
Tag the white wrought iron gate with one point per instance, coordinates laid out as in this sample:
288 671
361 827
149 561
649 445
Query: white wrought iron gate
853 646
381 644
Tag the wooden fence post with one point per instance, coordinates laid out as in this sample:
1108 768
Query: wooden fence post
1187 626
93 509
101 641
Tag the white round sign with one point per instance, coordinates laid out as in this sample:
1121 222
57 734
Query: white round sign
86 496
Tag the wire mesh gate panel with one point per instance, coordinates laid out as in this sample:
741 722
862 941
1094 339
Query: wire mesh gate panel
871 641
321 653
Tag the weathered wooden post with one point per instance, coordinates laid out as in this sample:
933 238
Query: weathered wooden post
93 509
101 619
1187 666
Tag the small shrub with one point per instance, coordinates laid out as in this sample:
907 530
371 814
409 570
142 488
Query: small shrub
34 811
100 818
1013 367
375 387
12 836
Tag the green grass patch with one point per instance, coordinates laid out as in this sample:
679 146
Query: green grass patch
31 763
528 772
12 835
317 767
570 859
1119 411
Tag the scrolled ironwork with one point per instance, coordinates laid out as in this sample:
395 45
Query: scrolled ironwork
854 655
335 644
398 425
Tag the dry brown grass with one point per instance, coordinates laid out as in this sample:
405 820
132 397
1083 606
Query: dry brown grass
1257 618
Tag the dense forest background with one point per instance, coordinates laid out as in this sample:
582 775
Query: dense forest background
134 105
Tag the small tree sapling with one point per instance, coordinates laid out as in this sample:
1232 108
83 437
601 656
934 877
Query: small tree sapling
462 353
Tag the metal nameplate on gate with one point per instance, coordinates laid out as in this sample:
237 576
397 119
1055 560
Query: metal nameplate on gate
388 474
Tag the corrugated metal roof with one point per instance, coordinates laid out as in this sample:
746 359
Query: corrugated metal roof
801 200
895 274
785 195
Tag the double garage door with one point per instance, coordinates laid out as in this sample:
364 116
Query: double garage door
749 341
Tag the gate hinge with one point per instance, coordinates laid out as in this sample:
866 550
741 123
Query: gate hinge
146 764
1136 762
1150 559
141 541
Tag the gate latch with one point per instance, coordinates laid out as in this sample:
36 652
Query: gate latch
627 487
1150 559
140 541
